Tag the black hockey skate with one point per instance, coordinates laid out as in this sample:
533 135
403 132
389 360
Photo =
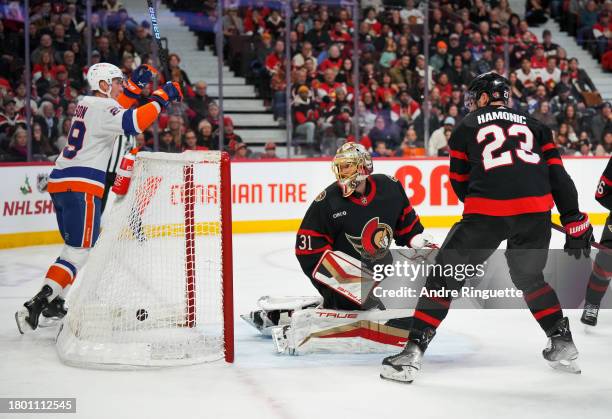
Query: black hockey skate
561 353
53 313
27 318
589 315
405 366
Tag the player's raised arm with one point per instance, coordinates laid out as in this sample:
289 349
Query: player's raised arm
132 87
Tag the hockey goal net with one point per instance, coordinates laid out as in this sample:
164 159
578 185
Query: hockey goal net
157 289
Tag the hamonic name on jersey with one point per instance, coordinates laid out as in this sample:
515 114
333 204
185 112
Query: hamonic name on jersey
508 116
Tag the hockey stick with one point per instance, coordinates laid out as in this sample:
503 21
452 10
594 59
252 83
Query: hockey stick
596 245
162 54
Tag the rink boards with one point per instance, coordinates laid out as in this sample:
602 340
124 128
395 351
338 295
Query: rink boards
270 195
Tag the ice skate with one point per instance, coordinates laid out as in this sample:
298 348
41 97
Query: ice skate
561 353
27 318
53 313
405 366
589 315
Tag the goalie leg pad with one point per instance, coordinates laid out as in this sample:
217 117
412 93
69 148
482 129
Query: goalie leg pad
335 331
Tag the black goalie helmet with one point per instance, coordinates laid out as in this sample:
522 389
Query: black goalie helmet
496 86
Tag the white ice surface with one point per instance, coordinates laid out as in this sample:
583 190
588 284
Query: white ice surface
482 364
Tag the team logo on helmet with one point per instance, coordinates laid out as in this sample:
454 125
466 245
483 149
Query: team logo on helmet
374 241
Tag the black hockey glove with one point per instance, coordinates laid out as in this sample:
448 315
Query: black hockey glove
578 235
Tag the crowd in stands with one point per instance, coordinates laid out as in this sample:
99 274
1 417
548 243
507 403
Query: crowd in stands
467 38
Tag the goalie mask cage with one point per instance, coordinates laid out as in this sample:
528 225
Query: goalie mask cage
157 289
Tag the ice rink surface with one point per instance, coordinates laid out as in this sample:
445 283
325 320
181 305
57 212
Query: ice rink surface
482 364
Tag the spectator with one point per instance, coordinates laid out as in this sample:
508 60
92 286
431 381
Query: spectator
400 73
42 149
458 74
242 152
174 62
213 115
438 143
107 54
602 32
545 116
10 120
231 140
18 147
269 151
551 75
584 149
410 146
206 138
318 36
190 141
385 131
538 60
527 76
381 150
305 116
601 123
568 132
439 60
176 128
141 143
570 117
199 102
167 143
232 24
580 78
550 48
588 19
48 121
142 41
299 60
484 64
562 100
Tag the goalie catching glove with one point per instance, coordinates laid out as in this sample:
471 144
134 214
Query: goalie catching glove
578 235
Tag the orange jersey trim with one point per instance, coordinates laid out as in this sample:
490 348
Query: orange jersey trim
75 186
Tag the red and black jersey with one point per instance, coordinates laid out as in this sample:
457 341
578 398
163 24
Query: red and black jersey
604 188
360 225
504 163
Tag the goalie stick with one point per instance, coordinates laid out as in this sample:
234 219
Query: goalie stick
162 54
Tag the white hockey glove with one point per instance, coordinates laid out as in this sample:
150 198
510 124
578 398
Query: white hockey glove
421 241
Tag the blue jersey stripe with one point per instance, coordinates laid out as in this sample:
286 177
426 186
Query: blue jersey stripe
67 265
80 172
128 122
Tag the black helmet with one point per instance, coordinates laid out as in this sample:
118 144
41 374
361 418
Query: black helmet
496 86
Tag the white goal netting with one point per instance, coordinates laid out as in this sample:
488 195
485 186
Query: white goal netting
152 293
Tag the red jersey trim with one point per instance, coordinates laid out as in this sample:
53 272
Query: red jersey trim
606 180
549 146
550 162
315 234
458 177
368 198
301 252
508 207
458 155
408 229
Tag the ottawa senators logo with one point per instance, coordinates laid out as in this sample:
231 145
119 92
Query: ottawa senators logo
374 241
